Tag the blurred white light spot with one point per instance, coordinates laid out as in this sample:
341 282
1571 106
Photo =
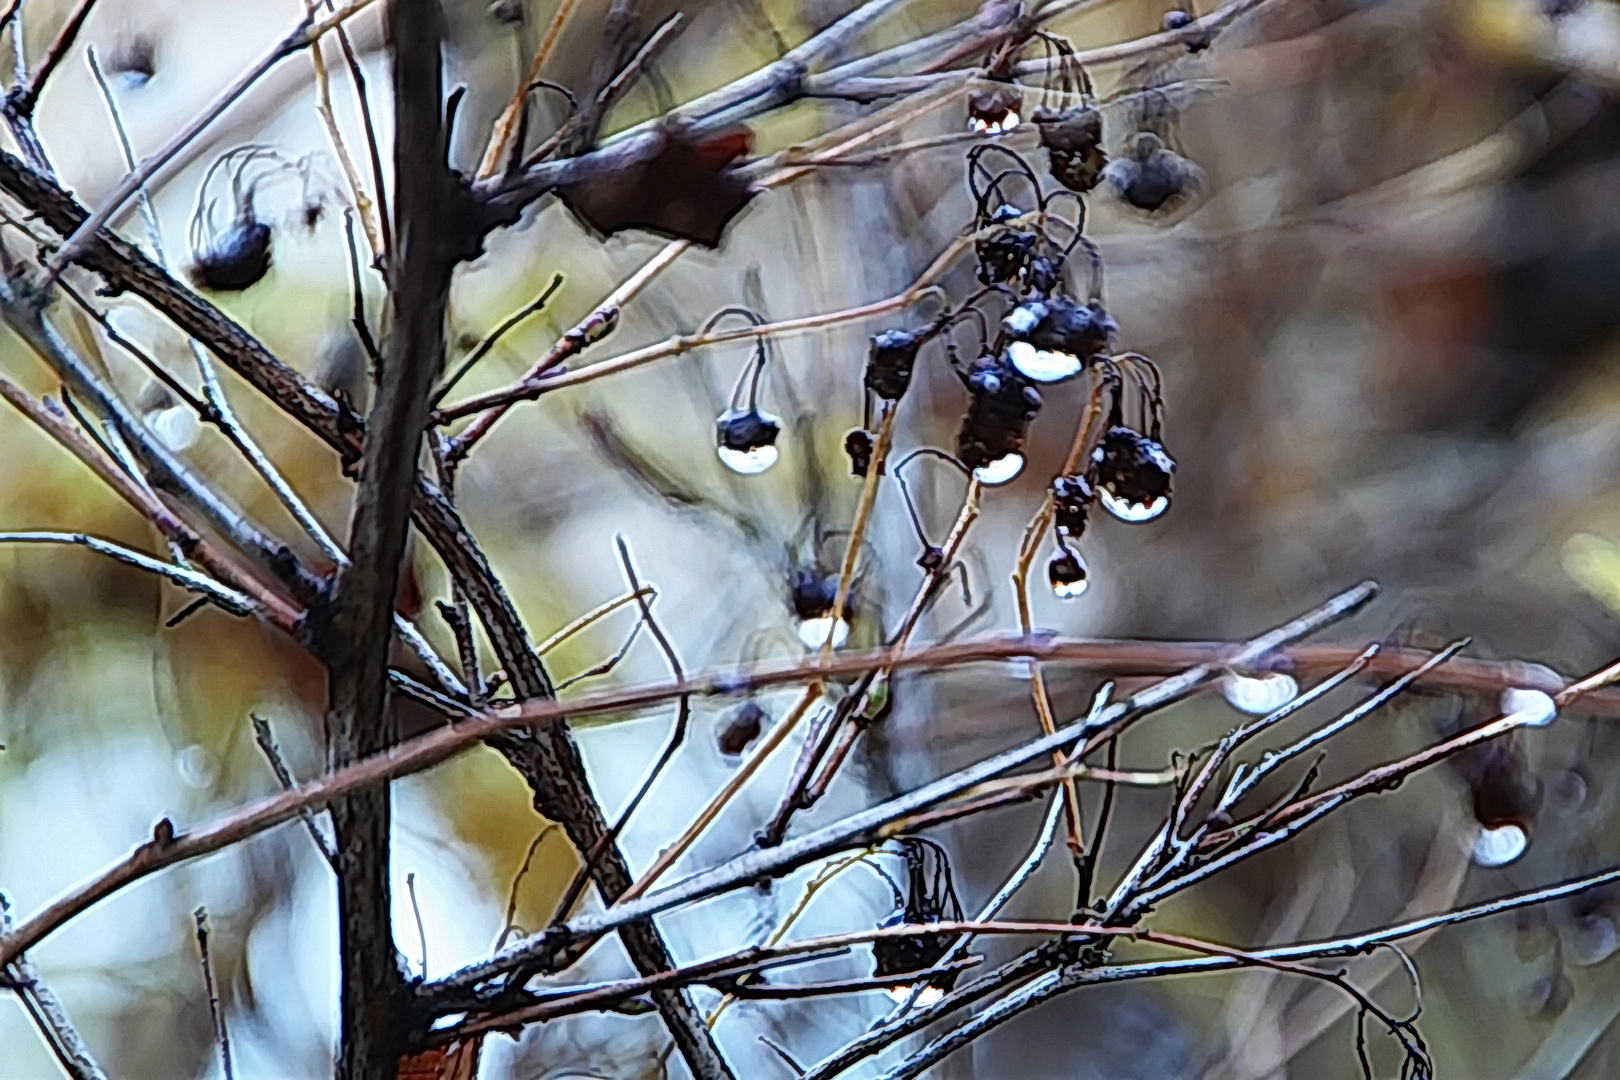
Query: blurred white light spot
1258 695
1592 939
196 766
1000 470
176 428
1530 707
929 995
813 632
1500 846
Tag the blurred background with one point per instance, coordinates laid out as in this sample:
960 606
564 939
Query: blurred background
1389 334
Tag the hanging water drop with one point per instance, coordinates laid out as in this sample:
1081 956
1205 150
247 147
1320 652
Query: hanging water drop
747 440
1135 512
813 632
1500 846
1067 574
1042 365
1000 470
1133 475
1258 695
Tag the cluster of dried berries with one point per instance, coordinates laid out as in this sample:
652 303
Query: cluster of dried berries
1034 329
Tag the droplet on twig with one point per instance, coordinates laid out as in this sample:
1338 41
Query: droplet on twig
1533 708
1261 694
747 440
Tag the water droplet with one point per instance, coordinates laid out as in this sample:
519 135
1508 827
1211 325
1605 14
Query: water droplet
748 462
747 440
176 428
1500 846
1532 708
1132 511
813 632
1258 695
1042 365
1067 574
1000 470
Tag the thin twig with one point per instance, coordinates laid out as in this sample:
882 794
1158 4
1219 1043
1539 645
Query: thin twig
532 307
46 1011
216 1010
305 33
266 738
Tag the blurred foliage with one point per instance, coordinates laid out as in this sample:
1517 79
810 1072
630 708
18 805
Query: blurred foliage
1389 335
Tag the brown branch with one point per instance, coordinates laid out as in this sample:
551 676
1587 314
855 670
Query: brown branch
23 99
425 751
359 720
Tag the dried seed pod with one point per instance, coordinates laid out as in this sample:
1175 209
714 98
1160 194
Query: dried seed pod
233 256
930 897
858 445
1179 20
1005 246
1073 141
890 362
747 440
1000 407
740 727
1072 497
1052 339
1133 475
1152 177
995 109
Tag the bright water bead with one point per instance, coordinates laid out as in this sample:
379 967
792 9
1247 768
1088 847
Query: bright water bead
1533 708
1134 512
1500 845
1042 365
1259 695
813 632
748 462
1000 470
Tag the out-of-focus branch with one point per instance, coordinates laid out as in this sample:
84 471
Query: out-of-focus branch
272 607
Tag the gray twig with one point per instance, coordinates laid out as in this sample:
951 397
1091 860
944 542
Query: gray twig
266 738
215 1009
46 1011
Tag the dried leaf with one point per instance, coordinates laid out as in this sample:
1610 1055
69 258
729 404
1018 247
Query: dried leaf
458 1061
688 190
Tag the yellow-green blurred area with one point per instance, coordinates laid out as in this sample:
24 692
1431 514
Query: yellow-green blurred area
1388 329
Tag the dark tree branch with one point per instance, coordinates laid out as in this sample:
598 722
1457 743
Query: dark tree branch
359 721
